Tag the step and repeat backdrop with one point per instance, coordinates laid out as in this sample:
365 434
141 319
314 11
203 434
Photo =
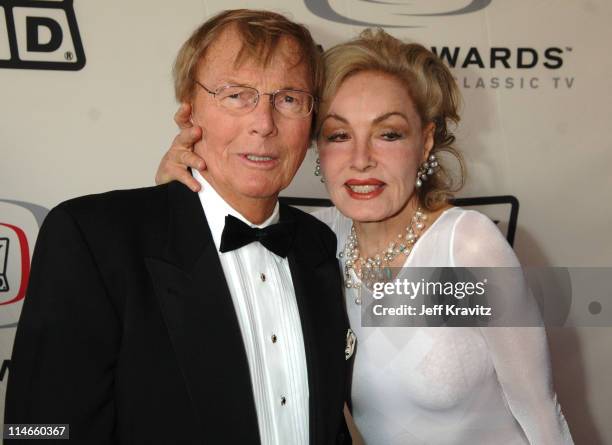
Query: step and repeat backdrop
86 105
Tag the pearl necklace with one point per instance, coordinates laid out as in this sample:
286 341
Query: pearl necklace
375 268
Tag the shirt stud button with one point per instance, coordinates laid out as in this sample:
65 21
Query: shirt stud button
274 338
283 401
262 277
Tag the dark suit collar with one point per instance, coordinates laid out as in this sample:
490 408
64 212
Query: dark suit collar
188 232
308 245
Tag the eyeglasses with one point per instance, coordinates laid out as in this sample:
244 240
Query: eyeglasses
240 100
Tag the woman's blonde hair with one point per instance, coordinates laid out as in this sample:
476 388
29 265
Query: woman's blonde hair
430 84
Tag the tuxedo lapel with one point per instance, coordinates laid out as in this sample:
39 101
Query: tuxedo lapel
316 279
199 314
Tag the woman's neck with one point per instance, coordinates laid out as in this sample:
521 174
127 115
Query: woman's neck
375 237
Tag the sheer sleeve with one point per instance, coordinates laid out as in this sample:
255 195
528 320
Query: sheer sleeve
520 354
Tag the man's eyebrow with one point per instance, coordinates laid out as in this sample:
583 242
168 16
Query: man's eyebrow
232 81
297 87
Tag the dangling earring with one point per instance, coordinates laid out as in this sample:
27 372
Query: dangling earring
317 171
426 170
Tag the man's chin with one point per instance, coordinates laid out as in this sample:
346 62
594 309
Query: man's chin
260 191
260 186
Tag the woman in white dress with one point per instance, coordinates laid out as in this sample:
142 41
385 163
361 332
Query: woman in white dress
382 127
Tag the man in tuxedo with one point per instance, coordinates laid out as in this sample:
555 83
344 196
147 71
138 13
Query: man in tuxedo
162 316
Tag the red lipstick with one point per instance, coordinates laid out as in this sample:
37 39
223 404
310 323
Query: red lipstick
364 188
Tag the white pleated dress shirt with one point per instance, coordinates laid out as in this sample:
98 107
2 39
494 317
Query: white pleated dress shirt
262 291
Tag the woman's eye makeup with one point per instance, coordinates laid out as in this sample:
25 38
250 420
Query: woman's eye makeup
337 136
392 135
387 134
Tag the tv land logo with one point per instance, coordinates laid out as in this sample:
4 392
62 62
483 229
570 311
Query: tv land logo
395 13
19 225
40 34
14 274
4 244
6 296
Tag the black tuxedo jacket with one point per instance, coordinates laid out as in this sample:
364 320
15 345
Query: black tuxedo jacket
129 334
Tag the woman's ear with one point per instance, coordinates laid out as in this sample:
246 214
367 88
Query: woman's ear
428 139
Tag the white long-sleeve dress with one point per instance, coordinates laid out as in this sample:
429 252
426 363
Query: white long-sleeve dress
452 385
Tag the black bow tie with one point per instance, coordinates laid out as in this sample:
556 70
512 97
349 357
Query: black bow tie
277 238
